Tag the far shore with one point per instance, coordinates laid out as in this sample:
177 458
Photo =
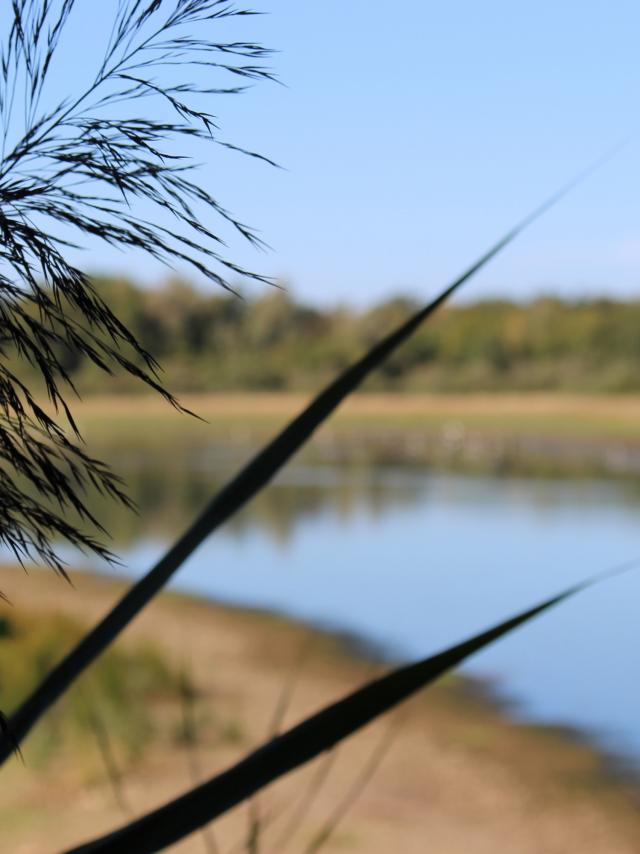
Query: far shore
613 415
459 773
528 433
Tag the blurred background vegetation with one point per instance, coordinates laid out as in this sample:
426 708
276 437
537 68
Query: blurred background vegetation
206 341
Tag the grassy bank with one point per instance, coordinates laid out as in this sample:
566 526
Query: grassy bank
595 416
531 434
459 773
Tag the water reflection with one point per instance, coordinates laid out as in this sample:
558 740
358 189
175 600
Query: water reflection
170 488
170 485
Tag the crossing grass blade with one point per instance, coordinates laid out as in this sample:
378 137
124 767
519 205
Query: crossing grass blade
250 480
318 733
357 787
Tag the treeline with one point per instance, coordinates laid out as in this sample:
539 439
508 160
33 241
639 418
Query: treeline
208 341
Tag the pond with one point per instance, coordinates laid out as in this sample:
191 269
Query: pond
411 559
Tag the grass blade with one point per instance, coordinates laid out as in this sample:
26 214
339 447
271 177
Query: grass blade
314 787
356 789
241 489
256 819
180 817
107 755
316 783
190 737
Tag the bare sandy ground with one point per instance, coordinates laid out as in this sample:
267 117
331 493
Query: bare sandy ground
458 777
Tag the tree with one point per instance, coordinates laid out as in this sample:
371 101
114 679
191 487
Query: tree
86 167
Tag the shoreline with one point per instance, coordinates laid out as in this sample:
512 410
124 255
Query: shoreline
502 432
584 411
480 689
466 723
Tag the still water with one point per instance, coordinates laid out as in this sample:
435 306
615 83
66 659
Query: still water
412 560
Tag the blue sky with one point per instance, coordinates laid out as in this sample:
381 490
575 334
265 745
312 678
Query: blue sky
414 134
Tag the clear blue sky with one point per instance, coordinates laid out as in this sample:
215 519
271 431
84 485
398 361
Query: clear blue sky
414 134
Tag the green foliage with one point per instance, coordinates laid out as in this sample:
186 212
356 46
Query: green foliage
116 695
209 342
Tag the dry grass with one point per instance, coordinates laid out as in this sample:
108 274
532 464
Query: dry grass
589 417
241 404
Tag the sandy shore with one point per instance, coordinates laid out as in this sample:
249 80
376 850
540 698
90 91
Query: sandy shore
459 777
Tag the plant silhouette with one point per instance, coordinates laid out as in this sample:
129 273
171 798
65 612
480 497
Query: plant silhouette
52 173
85 167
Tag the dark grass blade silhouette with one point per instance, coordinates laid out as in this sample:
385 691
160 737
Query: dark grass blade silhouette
257 821
358 786
318 733
250 480
300 812
301 808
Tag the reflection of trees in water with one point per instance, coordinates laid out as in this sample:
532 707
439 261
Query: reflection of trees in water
170 486
172 481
